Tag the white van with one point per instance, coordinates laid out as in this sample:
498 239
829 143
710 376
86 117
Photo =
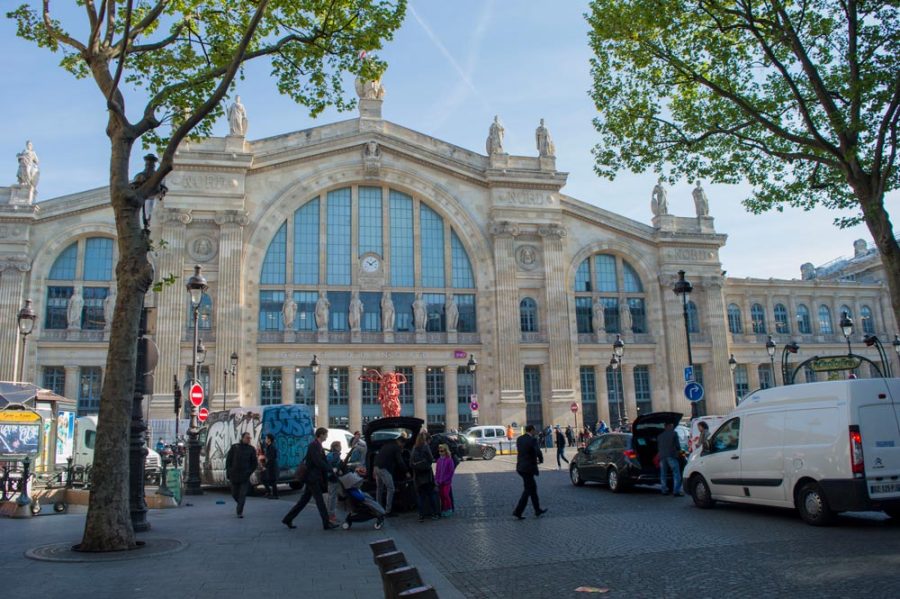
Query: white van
489 435
822 448
83 447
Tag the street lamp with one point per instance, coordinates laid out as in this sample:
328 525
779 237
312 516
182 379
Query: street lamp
314 367
472 365
847 329
232 371
732 366
619 353
770 349
25 321
196 287
614 364
683 288
792 348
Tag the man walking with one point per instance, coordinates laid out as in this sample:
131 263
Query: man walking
560 448
529 456
669 449
240 463
316 470
388 462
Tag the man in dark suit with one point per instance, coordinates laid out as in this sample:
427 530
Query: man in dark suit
316 470
529 456
240 464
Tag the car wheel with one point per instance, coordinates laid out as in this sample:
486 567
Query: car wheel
346 525
36 507
59 507
613 481
813 505
893 511
488 453
700 493
295 485
575 476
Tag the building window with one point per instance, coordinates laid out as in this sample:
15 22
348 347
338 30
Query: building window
270 305
370 221
824 320
371 408
54 379
758 318
274 264
402 245
57 302
371 319
432 231
765 376
434 306
98 256
845 309
95 257
639 315
305 319
339 311
583 277
403 312
782 324
589 395
63 268
735 322
583 314
868 324
614 391
809 374
269 386
435 396
611 314
741 382
804 324
467 322
465 388
605 271
642 394
528 315
698 376
461 268
407 407
92 317
339 224
89 385
533 408
338 397
304 386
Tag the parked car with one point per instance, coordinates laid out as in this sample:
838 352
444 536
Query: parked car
822 448
621 460
463 447
493 435
383 430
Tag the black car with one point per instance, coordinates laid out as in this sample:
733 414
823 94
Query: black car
383 430
623 459
462 447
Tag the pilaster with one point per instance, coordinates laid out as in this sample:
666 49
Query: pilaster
602 393
12 285
420 372
321 409
355 407
507 296
628 391
72 382
451 403
288 383
228 305
562 372
717 376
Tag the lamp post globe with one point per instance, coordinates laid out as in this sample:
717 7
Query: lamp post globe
314 365
196 286
225 372
619 347
846 325
25 322
770 349
732 366
683 289
472 364
234 361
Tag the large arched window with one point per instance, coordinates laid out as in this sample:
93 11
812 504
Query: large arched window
528 318
693 317
78 284
614 283
735 322
782 323
804 325
824 320
758 318
868 325
371 241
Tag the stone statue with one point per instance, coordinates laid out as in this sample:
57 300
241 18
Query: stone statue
494 142
420 313
659 204
356 312
451 311
597 316
109 305
288 313
627 320
544 142
237 119
29 172
322 306
372 150
73 312
701 203
369 90
387 313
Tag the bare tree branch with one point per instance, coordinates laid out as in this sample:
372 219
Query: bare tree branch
116 106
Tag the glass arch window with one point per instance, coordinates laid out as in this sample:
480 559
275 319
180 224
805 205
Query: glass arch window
868 325
693 317
782 324
824 320
613 282
82 273
735 322
758 318
528 320
804 324
321 246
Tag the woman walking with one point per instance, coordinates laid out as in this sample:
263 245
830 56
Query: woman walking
270 477
443 477
423 478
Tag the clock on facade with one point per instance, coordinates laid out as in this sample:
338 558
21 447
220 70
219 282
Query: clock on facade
371 264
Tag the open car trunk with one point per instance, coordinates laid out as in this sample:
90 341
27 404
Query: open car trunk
645 429
385 430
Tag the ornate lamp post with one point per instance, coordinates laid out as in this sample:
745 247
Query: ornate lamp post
732 366
196 287
472 365
846 325
683 289
619 353
614 364
770 349
25 321
314 367
232 371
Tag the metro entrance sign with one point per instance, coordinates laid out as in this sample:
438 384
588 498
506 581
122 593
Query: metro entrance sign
196 395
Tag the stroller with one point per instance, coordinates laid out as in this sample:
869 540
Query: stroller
360 506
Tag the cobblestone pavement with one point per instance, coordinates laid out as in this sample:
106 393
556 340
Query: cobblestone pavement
637 544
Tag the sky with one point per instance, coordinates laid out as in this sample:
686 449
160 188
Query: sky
451 67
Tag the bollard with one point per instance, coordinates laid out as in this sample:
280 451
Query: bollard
389 561
401 579
23 502
422 592
4 484
70 471
380 547
163 485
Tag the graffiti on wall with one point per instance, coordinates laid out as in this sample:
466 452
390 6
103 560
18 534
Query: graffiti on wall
292 428
224 429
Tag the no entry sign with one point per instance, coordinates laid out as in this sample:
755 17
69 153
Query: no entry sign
203 414
574 407
196 394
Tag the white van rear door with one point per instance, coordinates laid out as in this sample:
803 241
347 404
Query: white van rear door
879 426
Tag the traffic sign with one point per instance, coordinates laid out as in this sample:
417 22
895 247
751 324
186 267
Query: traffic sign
196 395
203 414
574 407
688 374
474 406
693 391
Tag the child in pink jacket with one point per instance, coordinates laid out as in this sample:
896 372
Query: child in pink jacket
443 478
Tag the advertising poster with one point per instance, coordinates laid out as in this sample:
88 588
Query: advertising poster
65 435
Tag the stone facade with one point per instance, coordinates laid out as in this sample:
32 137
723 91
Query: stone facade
525 241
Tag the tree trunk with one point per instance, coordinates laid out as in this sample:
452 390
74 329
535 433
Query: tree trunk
882 231
108 526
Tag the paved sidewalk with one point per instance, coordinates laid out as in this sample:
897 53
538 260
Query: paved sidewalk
256 555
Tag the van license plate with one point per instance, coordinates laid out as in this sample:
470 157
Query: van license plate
885 488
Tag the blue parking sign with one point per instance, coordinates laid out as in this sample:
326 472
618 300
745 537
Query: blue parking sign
693 391
688 374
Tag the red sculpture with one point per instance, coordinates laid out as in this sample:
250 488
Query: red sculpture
388 390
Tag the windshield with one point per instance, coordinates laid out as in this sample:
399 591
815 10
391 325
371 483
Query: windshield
387 434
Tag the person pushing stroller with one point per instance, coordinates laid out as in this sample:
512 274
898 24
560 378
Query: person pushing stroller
360 506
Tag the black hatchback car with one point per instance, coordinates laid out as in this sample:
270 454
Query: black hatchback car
621 459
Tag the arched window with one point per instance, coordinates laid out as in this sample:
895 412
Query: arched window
782 324
82 273
824 320
693 317
528 319
845 309
758 318
735 322
321 249
804 325
868 325
615 284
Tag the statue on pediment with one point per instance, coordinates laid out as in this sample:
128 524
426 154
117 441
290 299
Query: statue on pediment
659 203
494 144
545 146
237 119
29 172
369 89
701 203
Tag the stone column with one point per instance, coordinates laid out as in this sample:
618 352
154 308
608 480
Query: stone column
288 383
172 314
322 396
628 390
228 303
71 390
421 406
12 285
602 392
355 407
752 376
451 404
674 339
559 326
717 374
508 334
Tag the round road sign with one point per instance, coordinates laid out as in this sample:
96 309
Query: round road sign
474 406
693 391
196 395
574 407
203 414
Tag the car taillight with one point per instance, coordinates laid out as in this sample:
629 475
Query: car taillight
856 451
630 454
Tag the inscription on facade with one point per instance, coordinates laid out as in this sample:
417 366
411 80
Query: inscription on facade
689 254
525 198
213 182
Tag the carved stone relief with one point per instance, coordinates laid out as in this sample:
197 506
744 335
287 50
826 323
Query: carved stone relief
202 248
